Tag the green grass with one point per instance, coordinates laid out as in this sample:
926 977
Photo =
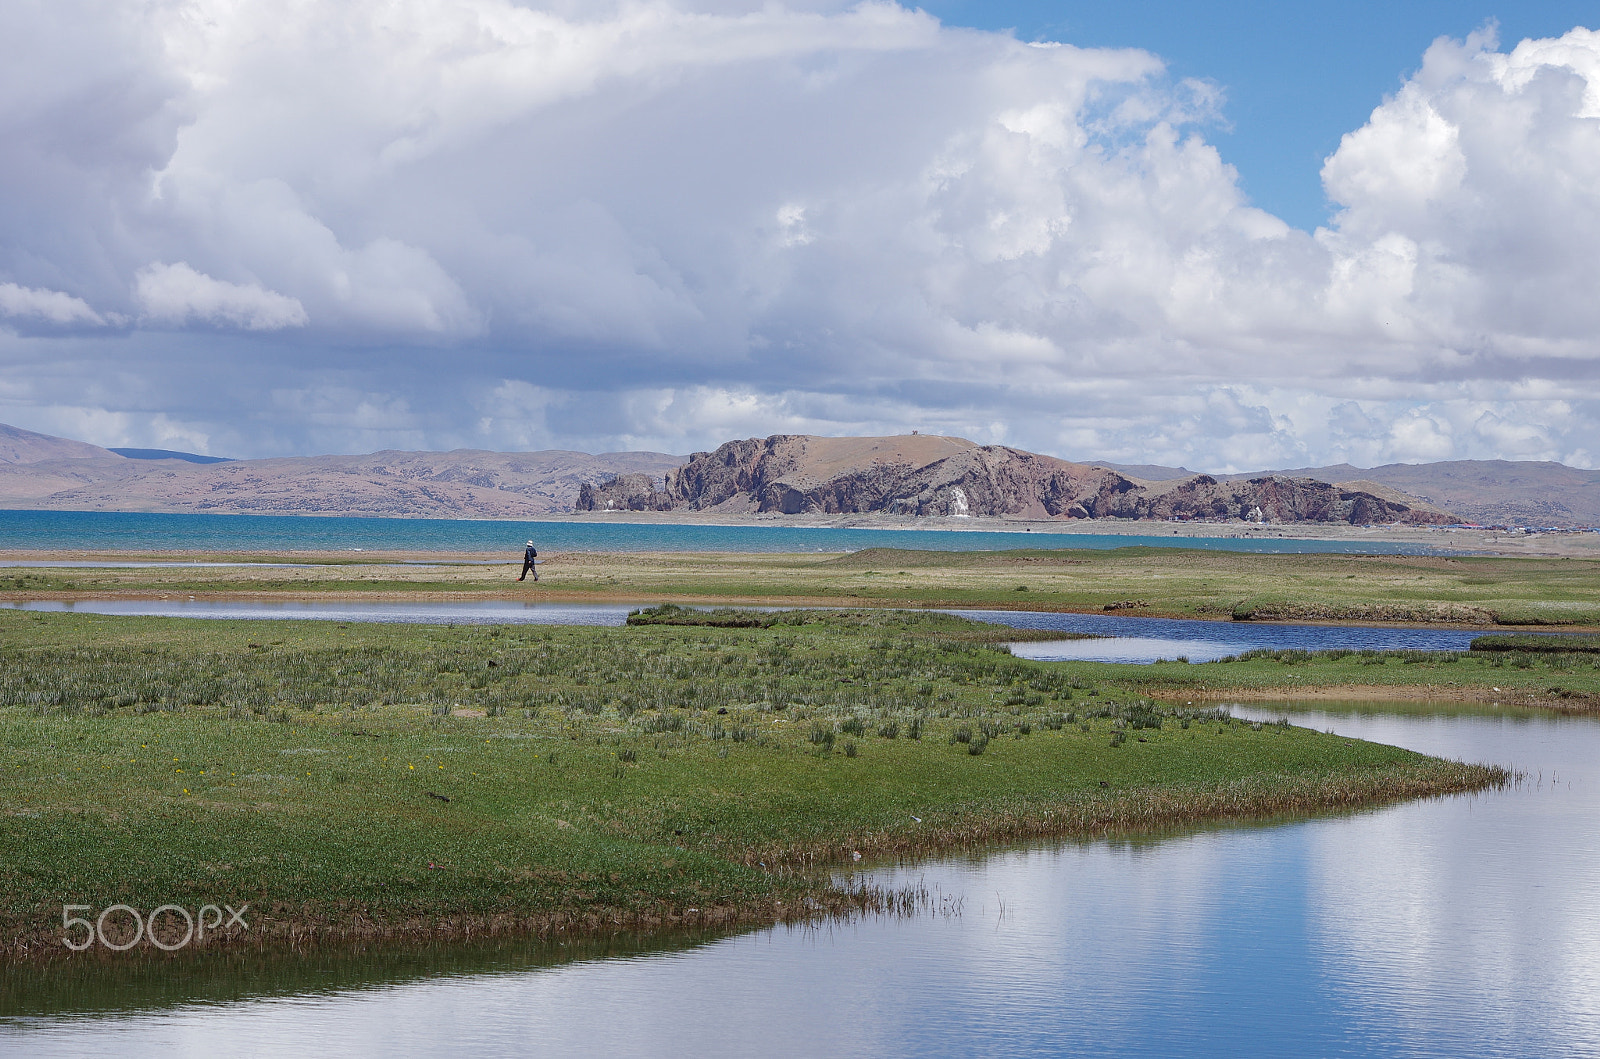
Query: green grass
1569 644
1564 681
1470 590
339 779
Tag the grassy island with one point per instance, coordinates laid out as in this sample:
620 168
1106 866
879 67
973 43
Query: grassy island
352 781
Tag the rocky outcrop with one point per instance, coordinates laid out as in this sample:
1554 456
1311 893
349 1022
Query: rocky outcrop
625 492
796 474
1276 498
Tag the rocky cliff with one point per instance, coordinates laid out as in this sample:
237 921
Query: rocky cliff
919 475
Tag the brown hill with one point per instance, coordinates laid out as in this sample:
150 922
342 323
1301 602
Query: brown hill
464 483
921 475
24 446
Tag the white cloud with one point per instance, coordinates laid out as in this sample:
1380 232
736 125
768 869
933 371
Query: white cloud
658 221
176 294
1483 172
1406 157
1419 437
100 427
51 306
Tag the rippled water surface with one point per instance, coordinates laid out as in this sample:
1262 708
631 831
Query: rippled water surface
1460 926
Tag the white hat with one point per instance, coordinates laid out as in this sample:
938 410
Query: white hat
530 544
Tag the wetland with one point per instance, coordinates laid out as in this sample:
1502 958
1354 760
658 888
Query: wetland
747 796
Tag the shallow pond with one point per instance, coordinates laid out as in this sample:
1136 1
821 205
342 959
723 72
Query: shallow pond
1456 926
1148 639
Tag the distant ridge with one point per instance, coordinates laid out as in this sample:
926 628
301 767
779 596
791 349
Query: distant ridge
25 446
39 471
167 454
1152 472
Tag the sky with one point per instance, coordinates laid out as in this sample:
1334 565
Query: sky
1229 237
1296 74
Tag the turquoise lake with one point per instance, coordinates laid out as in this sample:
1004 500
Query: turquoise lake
124 531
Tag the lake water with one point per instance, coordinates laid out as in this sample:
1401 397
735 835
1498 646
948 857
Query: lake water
1462 926
1122 639
107 530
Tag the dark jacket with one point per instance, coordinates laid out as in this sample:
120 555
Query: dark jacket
529 554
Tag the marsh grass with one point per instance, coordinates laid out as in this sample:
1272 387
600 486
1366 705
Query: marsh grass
1534 644
597 779
1566 681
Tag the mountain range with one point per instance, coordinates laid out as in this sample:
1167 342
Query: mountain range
798 474
39 471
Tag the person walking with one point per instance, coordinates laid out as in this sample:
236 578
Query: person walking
530 561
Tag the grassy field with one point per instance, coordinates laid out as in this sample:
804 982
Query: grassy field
1205 584
404 781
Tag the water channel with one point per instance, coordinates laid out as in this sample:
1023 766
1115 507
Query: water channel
1455 926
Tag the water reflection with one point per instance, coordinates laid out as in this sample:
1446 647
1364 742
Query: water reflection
1471 932
1454 926
153 983
1143 640
1127 649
